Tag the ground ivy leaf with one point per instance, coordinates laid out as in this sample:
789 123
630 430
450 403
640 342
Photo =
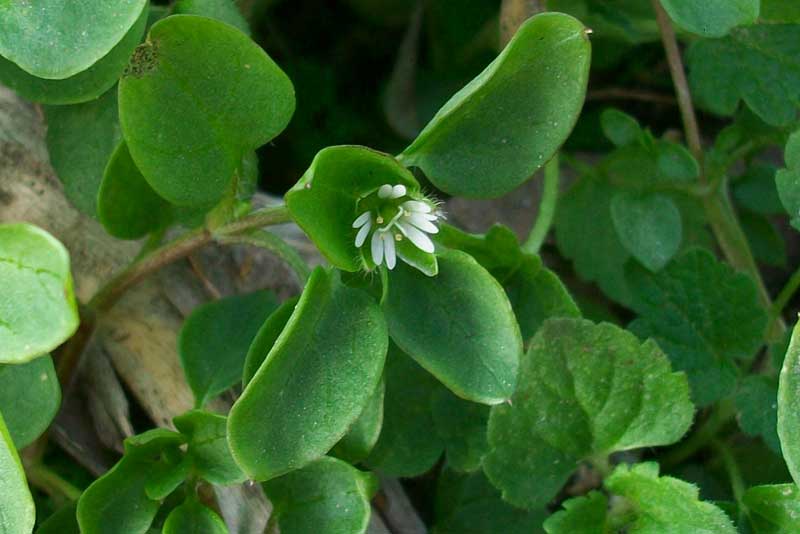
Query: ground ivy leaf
331 353
215 338
712 18
789 405
38 311
406 446
82 87
192 517
462 426
509 121
222 10
360 439
469 504
29 398
459 325
586 514
788 180
18 512
80 139
197 96
265 339
207 447
648 225
757 407
64 37
328 495
586 390
704 315
757 64
773 509
127 206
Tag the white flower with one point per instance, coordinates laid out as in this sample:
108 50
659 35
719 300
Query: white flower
411 219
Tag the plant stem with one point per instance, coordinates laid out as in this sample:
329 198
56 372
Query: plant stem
273 243
722 414
547 208
50 482
734 474
785 296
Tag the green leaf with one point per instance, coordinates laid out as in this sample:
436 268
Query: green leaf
18 512
63 521
186 129
215 338
265 339
222 10
207 448
64 37
407 446
704 315
586 514
787 180
324 202
773 509
765 240
712 18
620 128
331 353
756 190
127 206
645 504
469 504
585 391
191 517
360 439
458 325
80 140
757 407
509 121
38 310
29 398
327 495
649 227
789 406
462 426
83 86
758 64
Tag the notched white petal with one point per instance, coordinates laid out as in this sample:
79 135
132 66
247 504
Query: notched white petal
420 221
362 219
417 206
385 191
376 244
362 234
399 191
388 250
419 238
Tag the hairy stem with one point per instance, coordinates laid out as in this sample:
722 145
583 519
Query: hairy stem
547 208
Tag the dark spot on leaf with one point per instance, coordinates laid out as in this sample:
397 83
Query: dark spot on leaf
143 60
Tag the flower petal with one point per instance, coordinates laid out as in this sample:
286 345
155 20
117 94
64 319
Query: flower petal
416 205
399 191
388 250
385 191
362 234
362 219
377 248
419 238
424 224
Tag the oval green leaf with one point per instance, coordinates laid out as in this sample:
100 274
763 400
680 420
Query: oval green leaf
197 96
193 518
458 325
207 447
789 406
509 121
314 383
38 310
127 206
214 340
712 18
265 339
59 38
17 513
82 87
29 398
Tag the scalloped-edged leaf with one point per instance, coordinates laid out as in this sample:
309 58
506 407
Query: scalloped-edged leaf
83 86
38 311
59 38
327 495
704 315
197 96
506 123
330 354
712 18
586 390
18 512
29 398
458 325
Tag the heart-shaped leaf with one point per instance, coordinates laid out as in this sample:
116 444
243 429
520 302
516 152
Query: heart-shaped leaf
60 38
18 513
458 325
330 354
38 310
29 398
197 96
509 121
648 225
